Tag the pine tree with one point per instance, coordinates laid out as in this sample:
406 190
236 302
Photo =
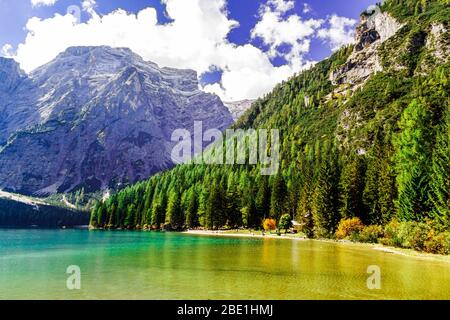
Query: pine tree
215 208
278 197
379 190
191 210
412 158
440 175
130 217
304 207
351 187
325 199
94 215
262 201
157 212
233 213
174 213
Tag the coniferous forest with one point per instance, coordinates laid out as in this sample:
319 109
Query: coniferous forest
371 165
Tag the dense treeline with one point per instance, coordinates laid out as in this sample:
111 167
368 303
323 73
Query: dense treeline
379 154
15 214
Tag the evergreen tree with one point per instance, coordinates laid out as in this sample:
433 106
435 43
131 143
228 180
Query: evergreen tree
412 158
304 207
351 189
174 213
130 217
278 196
440 175
191 210
325 198
262 201
215 208
379 189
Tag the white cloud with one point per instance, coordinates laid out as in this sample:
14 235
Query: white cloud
340 32
37 3
276 30
282 6
7 51
196 39
307 8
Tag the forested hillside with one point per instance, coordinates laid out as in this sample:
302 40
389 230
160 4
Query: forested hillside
17 214
364 158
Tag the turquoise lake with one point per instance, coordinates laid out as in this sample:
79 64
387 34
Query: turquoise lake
143 265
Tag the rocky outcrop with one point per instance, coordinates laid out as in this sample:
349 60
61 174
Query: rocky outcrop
374 29
438 42
238 108
99 118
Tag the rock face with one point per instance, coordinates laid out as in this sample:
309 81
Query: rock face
95 117
438 42
374 29
238 108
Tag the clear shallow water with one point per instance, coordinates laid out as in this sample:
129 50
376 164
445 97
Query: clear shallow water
139 265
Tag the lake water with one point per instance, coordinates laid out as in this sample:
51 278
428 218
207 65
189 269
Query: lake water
142 265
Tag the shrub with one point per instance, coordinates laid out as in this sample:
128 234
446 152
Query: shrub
439 244
419 235
269 224
371 234
349 228
391 234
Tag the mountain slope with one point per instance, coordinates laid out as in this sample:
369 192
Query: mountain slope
364 134
96 118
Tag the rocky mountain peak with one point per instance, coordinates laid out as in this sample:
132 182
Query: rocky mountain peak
374 29
98 117
10 74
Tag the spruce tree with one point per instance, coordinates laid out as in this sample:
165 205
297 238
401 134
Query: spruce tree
325 198
191 209
351 187
262 201
412 157
440 175
174 213
278 197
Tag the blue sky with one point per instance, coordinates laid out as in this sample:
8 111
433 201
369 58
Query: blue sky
222 40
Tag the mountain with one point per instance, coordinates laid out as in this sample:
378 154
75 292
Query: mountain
363 143
238 108
95 118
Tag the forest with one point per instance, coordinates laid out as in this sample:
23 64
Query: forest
14 214
371 165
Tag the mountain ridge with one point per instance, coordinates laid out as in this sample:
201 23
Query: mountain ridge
82 111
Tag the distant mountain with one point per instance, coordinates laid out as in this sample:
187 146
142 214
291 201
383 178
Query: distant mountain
238 108
95 117
18 211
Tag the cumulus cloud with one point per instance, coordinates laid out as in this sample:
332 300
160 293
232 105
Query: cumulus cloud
37 3
275 30
196 39
281 5
340 32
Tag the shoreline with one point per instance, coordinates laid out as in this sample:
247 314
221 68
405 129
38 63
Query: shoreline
374 246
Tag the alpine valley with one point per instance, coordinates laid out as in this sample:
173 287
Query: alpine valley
93 207
364 134
364 147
